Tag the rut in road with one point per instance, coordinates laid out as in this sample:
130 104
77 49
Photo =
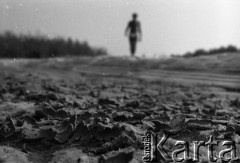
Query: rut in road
194 77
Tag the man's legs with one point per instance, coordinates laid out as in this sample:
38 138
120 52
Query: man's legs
133 43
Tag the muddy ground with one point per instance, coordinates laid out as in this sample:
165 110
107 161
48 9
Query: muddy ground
98 109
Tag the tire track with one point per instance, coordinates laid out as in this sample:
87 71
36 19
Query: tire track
193 77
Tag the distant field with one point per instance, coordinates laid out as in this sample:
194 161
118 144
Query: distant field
222 63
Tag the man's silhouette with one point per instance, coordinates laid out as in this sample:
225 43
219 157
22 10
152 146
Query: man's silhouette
134 32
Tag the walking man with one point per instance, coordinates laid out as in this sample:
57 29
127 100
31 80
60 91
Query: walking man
134 33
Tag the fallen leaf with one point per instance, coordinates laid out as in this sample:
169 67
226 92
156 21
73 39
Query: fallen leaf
119 157
63 135
8 128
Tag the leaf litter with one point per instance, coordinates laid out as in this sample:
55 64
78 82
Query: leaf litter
79 123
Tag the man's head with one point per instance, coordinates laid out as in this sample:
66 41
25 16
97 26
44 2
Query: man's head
134 16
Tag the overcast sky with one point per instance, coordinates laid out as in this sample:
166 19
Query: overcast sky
169 26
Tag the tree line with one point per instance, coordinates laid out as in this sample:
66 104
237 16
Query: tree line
201 52
29 46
